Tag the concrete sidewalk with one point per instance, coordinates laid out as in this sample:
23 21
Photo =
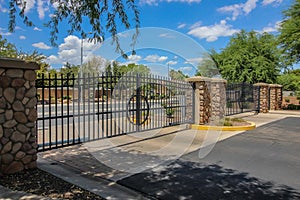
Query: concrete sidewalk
97 166
8 194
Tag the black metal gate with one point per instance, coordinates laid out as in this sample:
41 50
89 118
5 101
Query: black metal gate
241 97
74 110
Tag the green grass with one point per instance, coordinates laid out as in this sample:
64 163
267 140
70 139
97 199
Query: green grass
229 121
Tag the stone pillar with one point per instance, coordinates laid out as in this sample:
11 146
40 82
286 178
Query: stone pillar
210 99
272 97
18 114
263 97
202 99
218 99
279 97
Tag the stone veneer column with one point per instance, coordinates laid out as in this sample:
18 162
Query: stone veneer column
275 96
272 97
202 99
279 97
263 97
209 100
18 141
218 99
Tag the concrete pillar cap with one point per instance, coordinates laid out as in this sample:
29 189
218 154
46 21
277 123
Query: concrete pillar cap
261 84
11 63
198 79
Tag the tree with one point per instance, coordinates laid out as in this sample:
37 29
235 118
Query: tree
250 57
290 33
7 49
118 69
290 80
177 75
208 67
95 65
68 72
102 15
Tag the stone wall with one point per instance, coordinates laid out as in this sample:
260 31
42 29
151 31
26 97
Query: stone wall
209 100
270 97
218 99
263 97
18 147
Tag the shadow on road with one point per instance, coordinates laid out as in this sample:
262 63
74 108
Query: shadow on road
188 180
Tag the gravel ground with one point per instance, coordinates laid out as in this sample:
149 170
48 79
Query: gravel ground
44 184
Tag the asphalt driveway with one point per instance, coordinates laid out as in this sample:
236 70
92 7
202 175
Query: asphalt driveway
260 164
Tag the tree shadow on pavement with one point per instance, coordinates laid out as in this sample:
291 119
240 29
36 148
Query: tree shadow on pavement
189 180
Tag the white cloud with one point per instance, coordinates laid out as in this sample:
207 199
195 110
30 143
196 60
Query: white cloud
213 32
166 35
22 37
249 6
156 2
156 58
41 8
41 45
186 69
29 5
134 58
124 35
3 9
181 26
171 62
195 25
271 28
239 9
70 51
235 9
19 28
267 2
54 59
194 61
3 32
37 29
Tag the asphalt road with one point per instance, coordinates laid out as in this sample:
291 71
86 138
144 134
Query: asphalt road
260 164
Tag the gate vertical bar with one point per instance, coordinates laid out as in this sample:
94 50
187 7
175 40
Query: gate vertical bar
89 106
193 103
68 108
49 111
138 96
62 110
56 111
73 108
43 110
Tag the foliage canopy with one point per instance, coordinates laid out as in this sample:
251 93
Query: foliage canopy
250 57
289 36
102 15
290 80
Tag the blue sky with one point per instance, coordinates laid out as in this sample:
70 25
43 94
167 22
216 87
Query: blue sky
208 23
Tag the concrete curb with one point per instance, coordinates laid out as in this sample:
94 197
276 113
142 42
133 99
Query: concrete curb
224 128
102 187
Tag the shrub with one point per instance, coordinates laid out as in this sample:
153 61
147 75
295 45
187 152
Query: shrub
237 120
287 100
170 111
228 104
292 107
67 97
227 123
38 96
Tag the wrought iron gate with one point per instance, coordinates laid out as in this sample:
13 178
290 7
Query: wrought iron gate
241 97
74 110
